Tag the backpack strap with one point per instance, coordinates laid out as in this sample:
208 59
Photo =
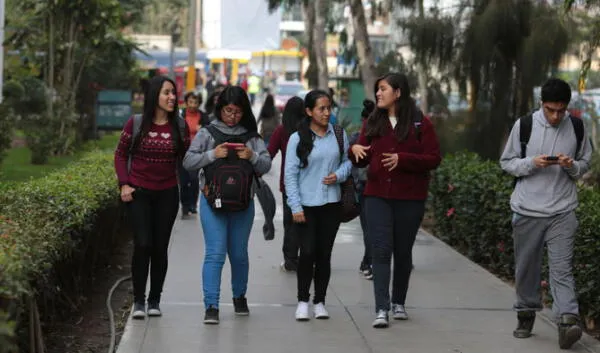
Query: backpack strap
221 137
339 136
525 124
578 127
418 121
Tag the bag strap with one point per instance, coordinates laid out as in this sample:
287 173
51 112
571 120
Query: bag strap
221 137
578 127
339 136
525 124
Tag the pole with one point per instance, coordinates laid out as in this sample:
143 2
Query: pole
191 73
1 48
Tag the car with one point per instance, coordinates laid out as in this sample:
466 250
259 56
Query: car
284 91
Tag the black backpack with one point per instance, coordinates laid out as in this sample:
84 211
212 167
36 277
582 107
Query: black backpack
229 180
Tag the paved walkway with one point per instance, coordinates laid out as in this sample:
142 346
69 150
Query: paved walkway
454 305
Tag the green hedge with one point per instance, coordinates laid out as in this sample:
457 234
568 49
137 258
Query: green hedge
53 232
470 204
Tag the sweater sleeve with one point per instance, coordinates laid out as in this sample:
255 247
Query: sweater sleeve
511 161
363 141
275 141
201 152
429 159
292 174
122 153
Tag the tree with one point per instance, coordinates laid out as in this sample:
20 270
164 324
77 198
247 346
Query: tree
363 46
320 41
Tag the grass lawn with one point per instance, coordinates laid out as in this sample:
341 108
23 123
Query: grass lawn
17 167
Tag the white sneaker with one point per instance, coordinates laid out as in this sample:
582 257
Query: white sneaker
381 321
399 312
302 312
320 312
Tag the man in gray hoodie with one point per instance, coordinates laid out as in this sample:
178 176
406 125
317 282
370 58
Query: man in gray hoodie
543 204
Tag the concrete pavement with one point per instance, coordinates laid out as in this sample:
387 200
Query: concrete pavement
454 305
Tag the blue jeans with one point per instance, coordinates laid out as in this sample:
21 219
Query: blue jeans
225 233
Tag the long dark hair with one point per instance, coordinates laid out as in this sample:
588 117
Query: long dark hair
149 111
368 107
237 96
293 113
268 109
306 135
405 109
209 106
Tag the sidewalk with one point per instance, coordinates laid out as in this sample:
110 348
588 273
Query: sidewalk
454 305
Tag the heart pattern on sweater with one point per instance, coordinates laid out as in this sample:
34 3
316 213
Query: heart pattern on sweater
153 134
165 135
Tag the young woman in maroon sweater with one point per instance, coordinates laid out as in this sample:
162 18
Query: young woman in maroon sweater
400 148
293 113
150 188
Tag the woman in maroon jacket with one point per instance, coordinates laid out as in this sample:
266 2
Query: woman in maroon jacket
293 113
400 148
149 188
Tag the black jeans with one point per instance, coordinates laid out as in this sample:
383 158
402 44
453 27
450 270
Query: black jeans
290 241
188 189
316 238
152 213
392 228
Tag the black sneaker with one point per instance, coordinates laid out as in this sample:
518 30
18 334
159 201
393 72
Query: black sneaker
569 331
139 311
288 266
366 270
193 211
154 309
269 231
211 317
525 325
240 306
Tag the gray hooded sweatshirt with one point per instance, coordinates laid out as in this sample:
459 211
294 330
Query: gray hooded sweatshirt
201 152
545 192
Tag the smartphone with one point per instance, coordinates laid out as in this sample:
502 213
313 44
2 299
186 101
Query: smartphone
552 158
234 145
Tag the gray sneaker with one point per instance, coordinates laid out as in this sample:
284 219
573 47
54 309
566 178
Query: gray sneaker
154 309
139 311
381 321
399 312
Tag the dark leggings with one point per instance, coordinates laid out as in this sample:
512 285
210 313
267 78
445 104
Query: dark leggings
316 238
153 214
392 228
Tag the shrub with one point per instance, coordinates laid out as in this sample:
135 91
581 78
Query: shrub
470 205
53 232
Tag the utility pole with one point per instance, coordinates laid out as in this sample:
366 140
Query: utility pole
191 72
2 4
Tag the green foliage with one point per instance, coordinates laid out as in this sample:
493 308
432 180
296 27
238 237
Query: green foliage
52 231
472 213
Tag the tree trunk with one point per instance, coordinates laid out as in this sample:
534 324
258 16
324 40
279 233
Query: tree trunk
308 8
50 79
422 70
320 42
363 46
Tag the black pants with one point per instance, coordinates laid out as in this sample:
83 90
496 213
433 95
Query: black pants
392 228
188 189
290 241
366 260
152 213
316 238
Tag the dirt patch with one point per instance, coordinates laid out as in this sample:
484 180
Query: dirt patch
88 331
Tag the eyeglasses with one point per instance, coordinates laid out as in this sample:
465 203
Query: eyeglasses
232 112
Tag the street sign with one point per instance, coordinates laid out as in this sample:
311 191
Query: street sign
113 109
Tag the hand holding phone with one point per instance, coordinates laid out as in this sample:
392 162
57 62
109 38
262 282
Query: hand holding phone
552 158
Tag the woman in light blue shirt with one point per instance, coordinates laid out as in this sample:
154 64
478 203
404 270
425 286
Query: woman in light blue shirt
314 171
